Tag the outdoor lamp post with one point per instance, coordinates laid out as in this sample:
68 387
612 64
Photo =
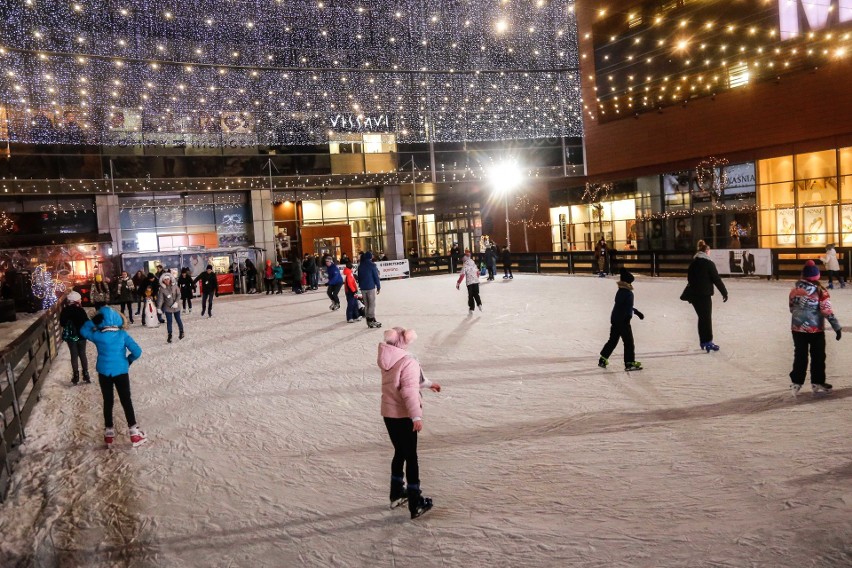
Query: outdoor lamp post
505 178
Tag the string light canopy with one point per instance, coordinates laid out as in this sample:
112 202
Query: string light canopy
269 72
658 54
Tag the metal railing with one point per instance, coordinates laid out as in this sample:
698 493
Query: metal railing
25 364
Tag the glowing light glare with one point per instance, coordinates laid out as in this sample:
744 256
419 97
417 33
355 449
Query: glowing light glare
501 26
505 176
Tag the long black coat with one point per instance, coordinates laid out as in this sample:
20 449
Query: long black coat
702 276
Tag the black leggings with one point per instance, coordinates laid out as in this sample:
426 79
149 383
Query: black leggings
122 385
802 343
333 291
624 332
129 309
404 440
473 295
78 352
187 302
703 306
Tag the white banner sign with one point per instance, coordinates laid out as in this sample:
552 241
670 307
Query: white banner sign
393 269
742 262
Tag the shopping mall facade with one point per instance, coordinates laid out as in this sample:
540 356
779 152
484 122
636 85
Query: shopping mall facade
731 125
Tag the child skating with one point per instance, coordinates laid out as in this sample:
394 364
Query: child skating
106 331
402 379
470 274
810 305
622 313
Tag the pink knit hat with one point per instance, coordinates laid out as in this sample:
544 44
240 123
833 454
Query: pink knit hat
400 337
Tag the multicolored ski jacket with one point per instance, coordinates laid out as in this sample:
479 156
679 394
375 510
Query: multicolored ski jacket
810 305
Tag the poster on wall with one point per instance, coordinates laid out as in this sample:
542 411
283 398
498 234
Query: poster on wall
393 269
742 262
814 223
785 222
846 222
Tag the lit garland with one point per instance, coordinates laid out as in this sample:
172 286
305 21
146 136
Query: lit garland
212 74
7 225
646 61
596 192
45 287
712 176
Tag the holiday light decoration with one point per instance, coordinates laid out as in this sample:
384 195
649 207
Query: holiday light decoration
45 287
712 176
650 57
248 73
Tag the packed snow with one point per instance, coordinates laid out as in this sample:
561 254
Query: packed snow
267 447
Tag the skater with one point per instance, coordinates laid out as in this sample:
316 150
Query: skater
371 286
335 282
351 289
619 324
470 274
72 318
186 286
702 276
297 274
491 261
402 380
832 267
106 331
124 290
209 288
507 264
99 292
251 277
810 305
601 253
278 274
139 281
268 277
168 302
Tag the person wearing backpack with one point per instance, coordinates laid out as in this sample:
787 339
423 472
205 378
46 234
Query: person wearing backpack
72 318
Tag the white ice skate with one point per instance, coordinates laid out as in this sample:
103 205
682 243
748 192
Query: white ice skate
137 437
109 437
794 389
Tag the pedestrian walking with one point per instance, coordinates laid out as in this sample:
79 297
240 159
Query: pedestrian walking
168 303
106 331
72 318
187 290
702 275
209 288
371 286
619 324
402 410
470 274
335 283
810 306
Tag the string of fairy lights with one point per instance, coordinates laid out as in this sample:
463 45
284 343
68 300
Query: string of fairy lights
214 74
646 61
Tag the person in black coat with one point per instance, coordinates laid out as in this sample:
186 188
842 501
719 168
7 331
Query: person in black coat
72 318
251 279
507 263
186 285
309 266
702 277
139 282
209 288
296 273
619 320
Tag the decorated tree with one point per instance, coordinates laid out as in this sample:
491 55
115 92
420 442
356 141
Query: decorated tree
712 179
527 211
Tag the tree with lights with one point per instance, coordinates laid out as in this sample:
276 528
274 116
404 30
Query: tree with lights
712 179
527 211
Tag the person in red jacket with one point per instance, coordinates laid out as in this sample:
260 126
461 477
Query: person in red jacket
350 286
402 379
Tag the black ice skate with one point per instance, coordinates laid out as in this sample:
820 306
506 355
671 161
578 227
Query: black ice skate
603 362
86 377
398 494
821 388
417 504
633 366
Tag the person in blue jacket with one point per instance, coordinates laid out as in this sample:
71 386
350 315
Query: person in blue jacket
113 343
368 281
335 283
622 313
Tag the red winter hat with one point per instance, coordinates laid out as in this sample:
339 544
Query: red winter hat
810 271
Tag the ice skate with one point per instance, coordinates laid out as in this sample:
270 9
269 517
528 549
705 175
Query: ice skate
830 286
109 437
137 437
603 362
181 335
821 388
709 346
480 307
86 378
169 340
470 312
794 389
417 504
398 494
190 310
633 366
75 378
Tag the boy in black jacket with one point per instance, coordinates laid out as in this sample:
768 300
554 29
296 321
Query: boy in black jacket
622 313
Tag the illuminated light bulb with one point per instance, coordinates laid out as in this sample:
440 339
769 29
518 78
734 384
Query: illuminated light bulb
501 26
168 15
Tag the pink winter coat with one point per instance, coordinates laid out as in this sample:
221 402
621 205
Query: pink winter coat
400 383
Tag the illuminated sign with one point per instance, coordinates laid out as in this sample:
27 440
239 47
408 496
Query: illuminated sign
360 122
818 14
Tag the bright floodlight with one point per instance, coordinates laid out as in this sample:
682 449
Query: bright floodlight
506 176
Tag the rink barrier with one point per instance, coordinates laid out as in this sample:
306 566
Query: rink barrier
25 363
786 263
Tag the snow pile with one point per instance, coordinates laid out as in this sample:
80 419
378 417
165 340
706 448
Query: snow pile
267 447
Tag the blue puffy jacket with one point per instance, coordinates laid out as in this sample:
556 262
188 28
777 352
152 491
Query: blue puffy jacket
334 276
112 343
368 274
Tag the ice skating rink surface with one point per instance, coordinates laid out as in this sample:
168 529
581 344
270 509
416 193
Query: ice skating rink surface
267 447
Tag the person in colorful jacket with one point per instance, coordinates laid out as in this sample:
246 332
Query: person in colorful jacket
113 343
810 306
402 379
470 274
168 303
350 286
335 282
99 291
278 273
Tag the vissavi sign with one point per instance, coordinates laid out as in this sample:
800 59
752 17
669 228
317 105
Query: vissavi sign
359 122
797 16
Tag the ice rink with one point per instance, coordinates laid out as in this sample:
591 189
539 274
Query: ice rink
267 447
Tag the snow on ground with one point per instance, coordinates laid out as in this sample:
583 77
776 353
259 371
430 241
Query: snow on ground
11 330
267 448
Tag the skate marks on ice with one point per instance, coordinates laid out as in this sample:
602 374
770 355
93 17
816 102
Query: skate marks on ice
588 362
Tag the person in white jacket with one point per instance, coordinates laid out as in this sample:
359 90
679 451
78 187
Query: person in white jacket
832 266
168 301
470 274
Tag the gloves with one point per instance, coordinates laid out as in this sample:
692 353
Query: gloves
839 332
98 319
725 298
639 314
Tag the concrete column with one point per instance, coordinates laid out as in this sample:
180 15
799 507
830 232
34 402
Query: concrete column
394 240
109 220
262 221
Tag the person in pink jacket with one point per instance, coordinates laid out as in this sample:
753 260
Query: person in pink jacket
402 379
